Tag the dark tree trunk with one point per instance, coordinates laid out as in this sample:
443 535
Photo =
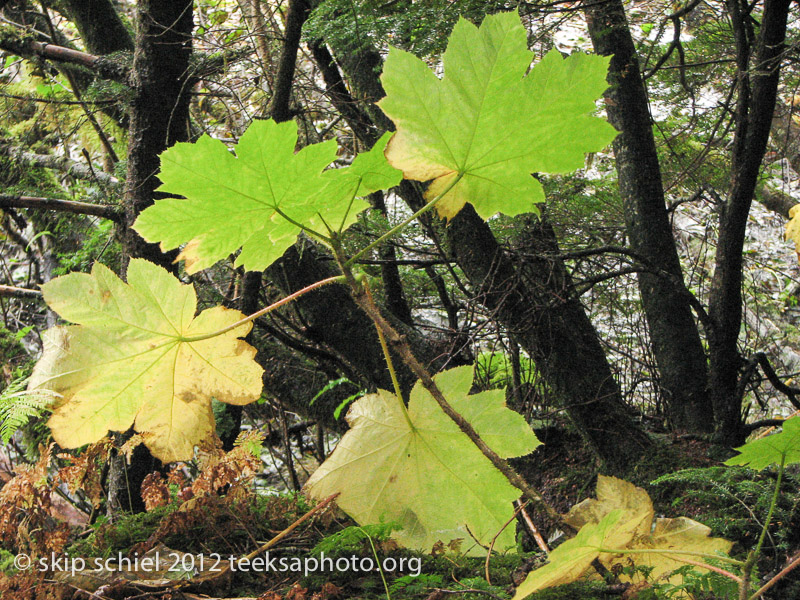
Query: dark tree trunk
159 117
536 303
100 26
673 332
332 318
758 76
538 308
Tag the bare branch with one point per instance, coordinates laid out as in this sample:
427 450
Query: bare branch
113 213
103 67
61 163
10 291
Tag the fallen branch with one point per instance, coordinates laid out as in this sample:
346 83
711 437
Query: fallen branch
9 291
111 212
102 66
60 163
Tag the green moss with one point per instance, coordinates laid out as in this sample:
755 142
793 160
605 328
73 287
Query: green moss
108 539
574 591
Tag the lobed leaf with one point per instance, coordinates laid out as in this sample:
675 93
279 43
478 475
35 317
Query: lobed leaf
779 448
569 561
127 362
423 472
488 122
621 518
259 199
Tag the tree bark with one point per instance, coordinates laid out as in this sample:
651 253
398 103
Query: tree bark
159 117
539 310
674 335
536 303
758 76
100 26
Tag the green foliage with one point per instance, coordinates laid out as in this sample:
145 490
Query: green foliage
334 383
415 466
726 499
493 370
506 123
410 586
260 199
697 584
98 244
19 406
419 27
7 562
354 539
777 449
108 539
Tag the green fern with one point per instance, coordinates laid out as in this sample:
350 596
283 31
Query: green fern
18 406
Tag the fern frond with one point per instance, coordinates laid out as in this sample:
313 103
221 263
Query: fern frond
19 405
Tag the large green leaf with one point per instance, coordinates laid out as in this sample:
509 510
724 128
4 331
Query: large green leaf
426 474
258 199
489 122
572 559
128 361
778 448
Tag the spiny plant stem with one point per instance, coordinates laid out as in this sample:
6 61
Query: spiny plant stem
266 309
752 556
388 357
786 570
399 344
697 563
401 226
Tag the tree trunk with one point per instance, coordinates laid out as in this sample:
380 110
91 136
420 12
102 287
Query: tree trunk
758 78
673 332
536 306
159 117
536 303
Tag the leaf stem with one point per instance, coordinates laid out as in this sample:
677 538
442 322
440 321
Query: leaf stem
402 225
323 238
696 563
349 207
786 570
265 310
752 556
388 357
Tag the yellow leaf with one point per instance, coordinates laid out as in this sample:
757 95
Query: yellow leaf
134 359
793 227
621 518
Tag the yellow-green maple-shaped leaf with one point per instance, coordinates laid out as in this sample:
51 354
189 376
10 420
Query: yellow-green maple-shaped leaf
679 534
569 561
488 122
421 471
613 493
781 448
626 541
258 199
130 361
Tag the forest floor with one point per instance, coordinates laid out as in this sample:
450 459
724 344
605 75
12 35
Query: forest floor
195 539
